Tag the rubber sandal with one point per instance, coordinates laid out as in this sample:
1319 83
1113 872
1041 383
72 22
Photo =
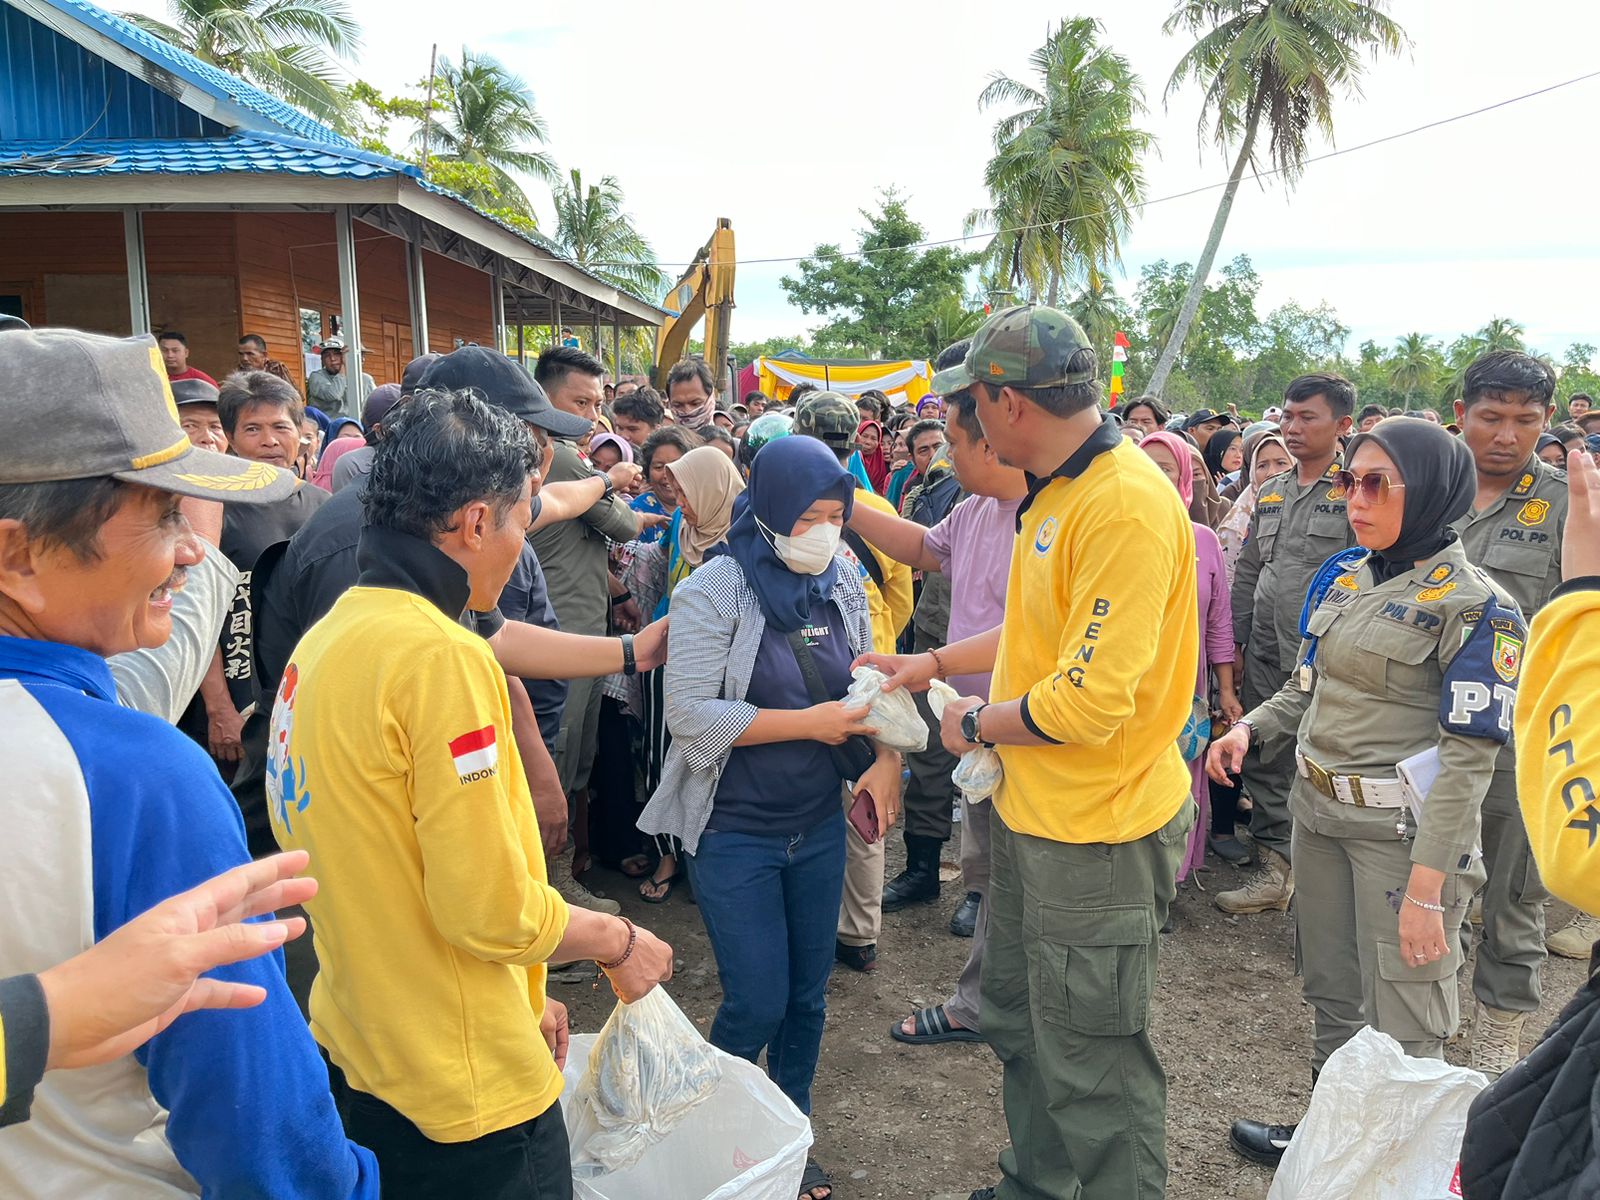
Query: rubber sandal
932 1026
813 1178
668 883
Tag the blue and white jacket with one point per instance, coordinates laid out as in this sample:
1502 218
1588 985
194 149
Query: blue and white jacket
106 812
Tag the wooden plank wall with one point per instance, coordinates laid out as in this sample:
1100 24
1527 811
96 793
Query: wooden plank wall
219 275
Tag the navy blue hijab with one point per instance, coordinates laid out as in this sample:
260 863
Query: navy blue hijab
788 477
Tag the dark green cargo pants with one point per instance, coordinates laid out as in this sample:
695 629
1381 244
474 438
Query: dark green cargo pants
1067 978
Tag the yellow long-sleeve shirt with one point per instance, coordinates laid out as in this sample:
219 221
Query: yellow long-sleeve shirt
1101 644
1558 746
889 606
393 764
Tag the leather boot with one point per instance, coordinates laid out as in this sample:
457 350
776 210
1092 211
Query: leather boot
919 882
1259 1142
1270 888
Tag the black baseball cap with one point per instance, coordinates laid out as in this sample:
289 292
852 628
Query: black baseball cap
1204 415
415 369
87 406
504 384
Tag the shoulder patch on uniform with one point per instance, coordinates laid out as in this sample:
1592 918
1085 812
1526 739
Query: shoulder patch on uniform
1524 485
1429 595
1480 685
1333 469
1533 513
1442 572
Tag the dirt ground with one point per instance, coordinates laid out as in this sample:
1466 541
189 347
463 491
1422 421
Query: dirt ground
925 1122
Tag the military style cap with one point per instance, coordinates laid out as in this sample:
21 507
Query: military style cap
1028 346
86 406
192 391
830 417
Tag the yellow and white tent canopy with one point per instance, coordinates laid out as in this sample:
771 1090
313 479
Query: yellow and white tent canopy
903 382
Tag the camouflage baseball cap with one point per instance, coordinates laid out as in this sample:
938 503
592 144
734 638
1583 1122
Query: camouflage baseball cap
831 417
1027 346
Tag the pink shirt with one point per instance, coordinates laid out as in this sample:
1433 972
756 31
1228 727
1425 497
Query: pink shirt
973 546
1216 609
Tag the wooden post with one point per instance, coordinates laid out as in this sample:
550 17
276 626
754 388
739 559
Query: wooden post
138 279
344 236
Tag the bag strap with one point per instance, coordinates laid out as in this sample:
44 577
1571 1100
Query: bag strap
869 560
808 666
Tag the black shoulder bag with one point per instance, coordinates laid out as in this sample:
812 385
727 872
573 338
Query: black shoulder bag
856 754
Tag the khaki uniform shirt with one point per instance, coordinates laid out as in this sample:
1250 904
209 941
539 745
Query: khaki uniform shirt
1294 531
1517 539
574 553
1378 672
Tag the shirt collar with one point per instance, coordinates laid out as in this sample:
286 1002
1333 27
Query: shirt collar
1101 441
388 558
30 661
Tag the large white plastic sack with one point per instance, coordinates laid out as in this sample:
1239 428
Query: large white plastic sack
893 714
746 1141
1381 1126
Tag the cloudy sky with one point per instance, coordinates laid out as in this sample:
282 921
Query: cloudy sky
790 118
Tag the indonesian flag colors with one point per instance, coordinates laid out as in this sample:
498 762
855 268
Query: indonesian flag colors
1119 362
476 755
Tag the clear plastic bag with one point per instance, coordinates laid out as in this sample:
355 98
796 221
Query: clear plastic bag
979 772
648 1068
894 714
1382 1126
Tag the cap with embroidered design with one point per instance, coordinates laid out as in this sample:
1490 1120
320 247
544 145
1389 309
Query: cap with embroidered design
86 406
1026 346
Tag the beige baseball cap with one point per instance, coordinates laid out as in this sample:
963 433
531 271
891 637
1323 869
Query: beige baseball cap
79 405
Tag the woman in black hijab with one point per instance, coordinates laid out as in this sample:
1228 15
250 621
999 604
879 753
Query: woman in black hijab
1412 659
1219 462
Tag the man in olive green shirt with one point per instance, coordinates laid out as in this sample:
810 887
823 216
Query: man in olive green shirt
1298 525
1514 533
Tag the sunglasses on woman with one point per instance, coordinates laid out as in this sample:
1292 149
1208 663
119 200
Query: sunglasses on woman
1374 487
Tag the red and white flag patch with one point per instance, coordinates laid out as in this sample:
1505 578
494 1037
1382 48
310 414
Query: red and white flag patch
476 755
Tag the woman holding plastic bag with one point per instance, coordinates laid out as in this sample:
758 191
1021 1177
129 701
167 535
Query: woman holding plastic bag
763 635
1170 452
1400 702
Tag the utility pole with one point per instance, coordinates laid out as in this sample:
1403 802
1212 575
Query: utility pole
427 110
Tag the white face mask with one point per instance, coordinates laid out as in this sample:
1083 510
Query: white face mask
811 552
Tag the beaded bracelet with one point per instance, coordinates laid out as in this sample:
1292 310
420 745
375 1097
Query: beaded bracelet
1433 908
633 940
938 664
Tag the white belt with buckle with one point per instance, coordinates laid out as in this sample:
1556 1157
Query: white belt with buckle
1358 790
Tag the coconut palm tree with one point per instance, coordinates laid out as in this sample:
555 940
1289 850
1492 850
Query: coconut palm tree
1100 311
488 118
950 320
593 231
1415 365
285 47
1065 176
1502 333
1270 66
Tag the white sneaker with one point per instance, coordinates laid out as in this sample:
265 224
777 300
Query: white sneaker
576 894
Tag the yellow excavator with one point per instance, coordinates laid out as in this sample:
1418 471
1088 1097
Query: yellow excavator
704 290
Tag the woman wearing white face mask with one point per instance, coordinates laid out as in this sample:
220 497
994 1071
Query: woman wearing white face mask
752 782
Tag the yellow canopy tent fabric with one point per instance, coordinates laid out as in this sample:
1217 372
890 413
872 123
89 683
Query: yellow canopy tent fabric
903 382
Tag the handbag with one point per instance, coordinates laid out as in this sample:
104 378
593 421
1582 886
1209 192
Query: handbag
1196 735
856 754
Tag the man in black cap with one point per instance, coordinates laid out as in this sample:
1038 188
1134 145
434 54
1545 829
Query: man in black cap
1203 424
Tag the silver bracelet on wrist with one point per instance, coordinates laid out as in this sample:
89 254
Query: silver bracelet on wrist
1433 908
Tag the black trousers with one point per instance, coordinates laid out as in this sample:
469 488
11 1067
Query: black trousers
530 1161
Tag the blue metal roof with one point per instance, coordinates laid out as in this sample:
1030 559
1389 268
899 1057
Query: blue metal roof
244 152
211 80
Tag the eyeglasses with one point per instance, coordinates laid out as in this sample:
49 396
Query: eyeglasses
1374 488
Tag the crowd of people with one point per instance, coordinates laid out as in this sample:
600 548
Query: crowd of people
455 638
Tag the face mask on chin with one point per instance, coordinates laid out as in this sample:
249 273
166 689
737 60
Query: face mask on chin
811 552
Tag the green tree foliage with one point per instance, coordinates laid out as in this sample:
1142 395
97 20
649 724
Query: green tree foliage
593 231
1272 64
485 115
878 300
1066 173
286 47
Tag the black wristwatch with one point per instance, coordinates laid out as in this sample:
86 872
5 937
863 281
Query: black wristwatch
629 665
969 727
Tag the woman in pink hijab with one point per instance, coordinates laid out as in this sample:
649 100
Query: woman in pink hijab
1172 453
336 449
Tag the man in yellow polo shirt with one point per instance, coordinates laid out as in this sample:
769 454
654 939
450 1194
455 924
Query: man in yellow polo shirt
1094 672
392 762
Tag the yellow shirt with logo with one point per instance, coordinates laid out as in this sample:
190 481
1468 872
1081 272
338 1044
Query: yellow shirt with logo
889 606
1101 643
392 763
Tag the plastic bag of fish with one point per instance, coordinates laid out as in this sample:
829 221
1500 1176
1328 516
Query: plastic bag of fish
649 1067
979 772
893 714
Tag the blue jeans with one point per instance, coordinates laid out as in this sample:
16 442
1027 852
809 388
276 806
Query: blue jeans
770 905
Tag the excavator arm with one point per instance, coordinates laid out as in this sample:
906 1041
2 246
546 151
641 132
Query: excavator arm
704 290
